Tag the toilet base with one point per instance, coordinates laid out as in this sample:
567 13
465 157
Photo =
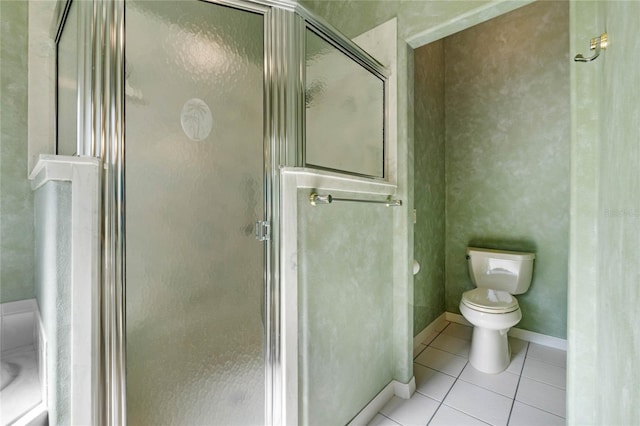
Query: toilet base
490 351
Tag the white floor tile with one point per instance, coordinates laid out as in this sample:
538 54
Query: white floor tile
515 367
548 355
479 403
418 349
518 352
452 344
546 373
380 420
427 340
535 378
458 330
524 415
447 416
504 383
540 395
442 361
432 383
408 412
518 347
441 326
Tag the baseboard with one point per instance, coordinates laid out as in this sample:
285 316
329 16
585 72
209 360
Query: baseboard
457 318
518 333
404 390
394 388
436 325
541 339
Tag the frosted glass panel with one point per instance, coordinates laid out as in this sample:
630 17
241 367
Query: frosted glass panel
344 112
67 120
194 189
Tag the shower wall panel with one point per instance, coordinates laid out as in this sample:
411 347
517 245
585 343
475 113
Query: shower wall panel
53 291
346 308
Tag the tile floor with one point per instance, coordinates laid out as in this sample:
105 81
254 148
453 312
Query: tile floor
449 391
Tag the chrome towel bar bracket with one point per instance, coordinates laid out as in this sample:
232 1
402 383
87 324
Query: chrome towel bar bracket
597 43
316 199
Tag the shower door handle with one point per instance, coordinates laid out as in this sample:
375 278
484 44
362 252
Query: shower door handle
263 230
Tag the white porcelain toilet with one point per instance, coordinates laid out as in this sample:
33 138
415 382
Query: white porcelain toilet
491 307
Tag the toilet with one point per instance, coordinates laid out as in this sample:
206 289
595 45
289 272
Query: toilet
491 307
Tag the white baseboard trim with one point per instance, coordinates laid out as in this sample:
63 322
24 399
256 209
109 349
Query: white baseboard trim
518 333
541 339
401 390
404 390
436 325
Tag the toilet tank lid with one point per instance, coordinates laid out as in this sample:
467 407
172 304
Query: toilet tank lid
500 254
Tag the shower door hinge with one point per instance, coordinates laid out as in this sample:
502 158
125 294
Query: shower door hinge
263 230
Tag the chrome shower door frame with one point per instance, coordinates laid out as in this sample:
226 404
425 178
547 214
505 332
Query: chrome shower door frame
110 126
101 118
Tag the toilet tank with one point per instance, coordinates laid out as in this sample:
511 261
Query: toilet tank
508 271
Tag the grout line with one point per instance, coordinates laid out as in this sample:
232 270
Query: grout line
389 419
548 363
545 363
458 378
439 333
426 346
541 409
441 403
448 392
454 408
418 354
513 401
544 383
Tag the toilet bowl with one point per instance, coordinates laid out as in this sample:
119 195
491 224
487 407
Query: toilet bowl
491 308
489 345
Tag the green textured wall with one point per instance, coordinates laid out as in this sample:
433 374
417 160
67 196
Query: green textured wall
345 307
353 17
604 339
16 199
586 81
508 153
419 22
619 217
507 128
429 184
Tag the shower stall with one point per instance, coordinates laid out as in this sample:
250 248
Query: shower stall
192 108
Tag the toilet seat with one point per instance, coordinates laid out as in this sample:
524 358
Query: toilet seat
490 301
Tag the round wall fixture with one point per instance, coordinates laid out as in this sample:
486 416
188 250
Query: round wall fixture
196 119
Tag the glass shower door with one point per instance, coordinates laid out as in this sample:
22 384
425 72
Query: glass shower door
194 190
